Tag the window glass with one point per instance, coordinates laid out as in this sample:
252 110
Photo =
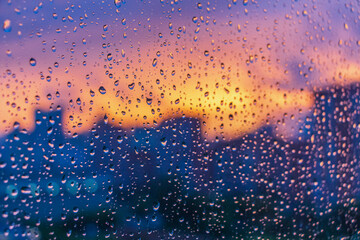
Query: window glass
179 119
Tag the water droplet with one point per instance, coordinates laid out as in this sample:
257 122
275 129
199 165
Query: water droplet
102 90
25 190
32 62
118 3
131 86
149 101
163 142
75 209
154 62
14 192
16 125
7 25
156 206
106 119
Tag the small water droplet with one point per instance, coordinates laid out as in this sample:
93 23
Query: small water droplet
131 86
154 62
25 190
163 142
7 25
156 206
118 3
102 90
149 101
32 62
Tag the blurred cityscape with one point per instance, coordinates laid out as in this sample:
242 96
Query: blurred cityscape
168 183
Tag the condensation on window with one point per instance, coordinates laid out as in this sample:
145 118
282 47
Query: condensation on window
179 119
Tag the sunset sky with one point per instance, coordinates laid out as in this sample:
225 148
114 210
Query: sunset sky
236 66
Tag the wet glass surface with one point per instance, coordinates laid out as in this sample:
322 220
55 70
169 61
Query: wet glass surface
179 119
